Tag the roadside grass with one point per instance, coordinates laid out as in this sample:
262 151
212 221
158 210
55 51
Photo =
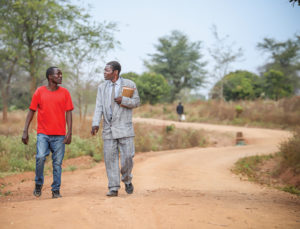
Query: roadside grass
291 152
248 166
284 113
15 157
290 189
157 138
284 174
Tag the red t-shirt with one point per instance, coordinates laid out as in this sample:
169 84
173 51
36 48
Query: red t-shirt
52 107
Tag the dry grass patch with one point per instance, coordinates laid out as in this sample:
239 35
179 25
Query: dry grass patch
281 170
284 113
15 157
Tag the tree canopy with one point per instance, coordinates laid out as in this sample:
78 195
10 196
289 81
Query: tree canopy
238 85
37 34
152 87
179 61
275 85
284 57
43 28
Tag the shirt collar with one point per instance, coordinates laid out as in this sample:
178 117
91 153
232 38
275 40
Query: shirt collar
118 82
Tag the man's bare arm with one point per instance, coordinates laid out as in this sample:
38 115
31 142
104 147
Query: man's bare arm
68 138
25 137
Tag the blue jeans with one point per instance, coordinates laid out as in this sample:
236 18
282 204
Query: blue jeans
45 144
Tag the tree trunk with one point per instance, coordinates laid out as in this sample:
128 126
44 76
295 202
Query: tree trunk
79 107
32 77
32 84
4 110
85 111
5 91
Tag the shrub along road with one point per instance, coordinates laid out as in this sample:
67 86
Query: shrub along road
190 188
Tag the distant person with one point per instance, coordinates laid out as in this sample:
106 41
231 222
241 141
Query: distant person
180 111
118 133
54 105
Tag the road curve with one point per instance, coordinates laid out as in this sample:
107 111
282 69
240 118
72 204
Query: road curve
189 188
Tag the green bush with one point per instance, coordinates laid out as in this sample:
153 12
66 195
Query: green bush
238 110
170 128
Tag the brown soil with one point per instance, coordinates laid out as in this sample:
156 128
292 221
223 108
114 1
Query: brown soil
189 188
271 173
79 162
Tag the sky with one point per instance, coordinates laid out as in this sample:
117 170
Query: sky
142 22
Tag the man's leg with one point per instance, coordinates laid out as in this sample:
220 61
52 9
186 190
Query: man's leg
57 147
179 117
127 151
42 150
111 159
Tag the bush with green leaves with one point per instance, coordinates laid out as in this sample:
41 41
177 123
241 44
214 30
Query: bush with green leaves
238 85
152 87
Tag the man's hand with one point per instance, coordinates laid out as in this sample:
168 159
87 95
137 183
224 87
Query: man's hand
68 139
118 100
25 137
94 130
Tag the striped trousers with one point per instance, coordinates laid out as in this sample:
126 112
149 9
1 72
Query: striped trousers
111 150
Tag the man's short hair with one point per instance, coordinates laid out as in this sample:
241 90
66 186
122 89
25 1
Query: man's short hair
50 71
115 66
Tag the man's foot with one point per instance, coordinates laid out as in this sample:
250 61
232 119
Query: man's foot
38 190
112 193
129 188
56 194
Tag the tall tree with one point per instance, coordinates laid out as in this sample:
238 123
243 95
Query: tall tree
224 55
284 57
44 27
275 86
83 59
10 59
8 65
179 61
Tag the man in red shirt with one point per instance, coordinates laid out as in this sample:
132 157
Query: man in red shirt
54 105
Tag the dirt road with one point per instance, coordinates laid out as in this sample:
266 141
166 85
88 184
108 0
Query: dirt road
190 188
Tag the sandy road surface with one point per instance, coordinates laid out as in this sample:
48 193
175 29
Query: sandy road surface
190 188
